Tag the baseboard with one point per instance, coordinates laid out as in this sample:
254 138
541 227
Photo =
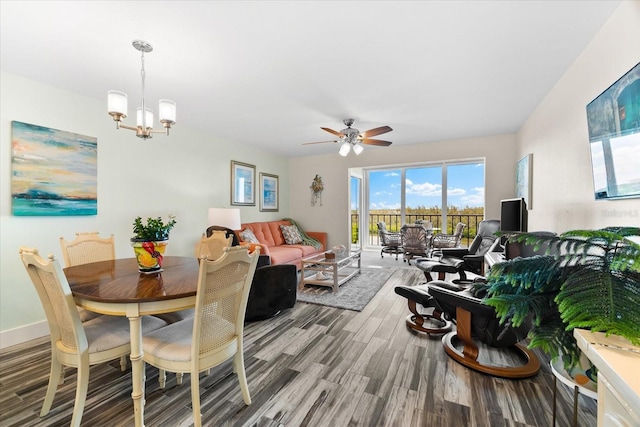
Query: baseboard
22 334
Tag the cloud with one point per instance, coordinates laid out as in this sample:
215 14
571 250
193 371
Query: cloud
392 174
425 189
456 192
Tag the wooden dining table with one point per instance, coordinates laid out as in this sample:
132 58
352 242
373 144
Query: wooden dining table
117 288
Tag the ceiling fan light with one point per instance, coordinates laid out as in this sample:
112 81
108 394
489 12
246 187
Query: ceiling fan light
344 149
357 148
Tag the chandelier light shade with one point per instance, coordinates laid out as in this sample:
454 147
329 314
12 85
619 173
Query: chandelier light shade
225 217
117 105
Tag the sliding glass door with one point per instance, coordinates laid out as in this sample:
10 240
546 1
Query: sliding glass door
401 195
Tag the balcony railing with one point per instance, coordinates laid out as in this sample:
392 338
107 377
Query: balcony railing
394 222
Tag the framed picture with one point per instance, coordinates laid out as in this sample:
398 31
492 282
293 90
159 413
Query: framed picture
523 178
54 172
243 178
268 192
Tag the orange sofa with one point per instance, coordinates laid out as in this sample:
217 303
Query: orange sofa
272 242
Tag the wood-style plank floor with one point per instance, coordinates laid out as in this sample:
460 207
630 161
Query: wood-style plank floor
310 366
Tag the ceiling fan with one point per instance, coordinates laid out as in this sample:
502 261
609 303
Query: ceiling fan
350 137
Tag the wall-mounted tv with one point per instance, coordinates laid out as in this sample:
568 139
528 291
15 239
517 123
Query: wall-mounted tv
614 138
513 215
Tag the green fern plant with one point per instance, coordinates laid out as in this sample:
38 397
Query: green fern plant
587 279
155 229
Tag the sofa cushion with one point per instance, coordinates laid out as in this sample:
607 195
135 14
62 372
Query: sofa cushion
305 249
247 236
285 254
291 234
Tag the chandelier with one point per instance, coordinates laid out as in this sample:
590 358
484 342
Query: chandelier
117 106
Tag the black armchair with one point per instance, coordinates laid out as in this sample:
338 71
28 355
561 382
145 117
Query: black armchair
273 289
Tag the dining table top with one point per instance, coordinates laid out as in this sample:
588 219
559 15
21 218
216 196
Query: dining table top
119 281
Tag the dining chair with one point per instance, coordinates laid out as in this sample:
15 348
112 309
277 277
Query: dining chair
88 247
74 343
213 246
85 248
215 333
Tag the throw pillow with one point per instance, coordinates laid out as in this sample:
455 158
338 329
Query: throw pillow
247 236
291 234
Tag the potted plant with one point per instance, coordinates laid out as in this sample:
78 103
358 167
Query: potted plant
149 242
586 279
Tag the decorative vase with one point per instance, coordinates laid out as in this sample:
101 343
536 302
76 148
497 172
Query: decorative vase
149 255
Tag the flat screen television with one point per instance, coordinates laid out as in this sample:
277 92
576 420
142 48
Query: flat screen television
614 138
513 215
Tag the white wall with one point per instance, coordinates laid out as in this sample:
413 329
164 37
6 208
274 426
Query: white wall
498 151
557 133
183 174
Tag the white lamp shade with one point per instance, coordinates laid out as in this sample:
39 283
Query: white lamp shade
117 102
167 111
344 149
225 217
357 148
148 118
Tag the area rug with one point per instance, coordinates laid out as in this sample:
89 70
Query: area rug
354 294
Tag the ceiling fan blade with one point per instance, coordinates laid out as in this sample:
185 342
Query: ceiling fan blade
319 142
375 131
376 142
336 133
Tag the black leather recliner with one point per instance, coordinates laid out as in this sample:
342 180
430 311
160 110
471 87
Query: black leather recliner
461 260
476 320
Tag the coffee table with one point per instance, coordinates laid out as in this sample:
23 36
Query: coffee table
330 272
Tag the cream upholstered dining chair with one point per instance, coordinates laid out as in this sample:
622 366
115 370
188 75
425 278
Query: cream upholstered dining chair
213 247
75 343
85 248
215 333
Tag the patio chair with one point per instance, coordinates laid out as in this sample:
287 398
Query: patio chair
443 240
391 242
416 241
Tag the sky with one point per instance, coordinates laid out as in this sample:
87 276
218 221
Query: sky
465 187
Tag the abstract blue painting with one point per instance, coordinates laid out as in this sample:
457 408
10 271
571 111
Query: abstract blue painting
53 172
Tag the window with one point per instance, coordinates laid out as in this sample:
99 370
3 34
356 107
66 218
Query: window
400 195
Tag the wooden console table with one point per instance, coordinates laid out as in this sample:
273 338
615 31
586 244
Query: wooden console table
618 363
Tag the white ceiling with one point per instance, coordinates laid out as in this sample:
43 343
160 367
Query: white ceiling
271 73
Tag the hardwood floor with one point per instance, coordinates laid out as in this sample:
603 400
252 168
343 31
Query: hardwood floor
310 366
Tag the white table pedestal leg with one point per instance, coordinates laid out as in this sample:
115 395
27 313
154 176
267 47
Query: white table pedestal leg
137 365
